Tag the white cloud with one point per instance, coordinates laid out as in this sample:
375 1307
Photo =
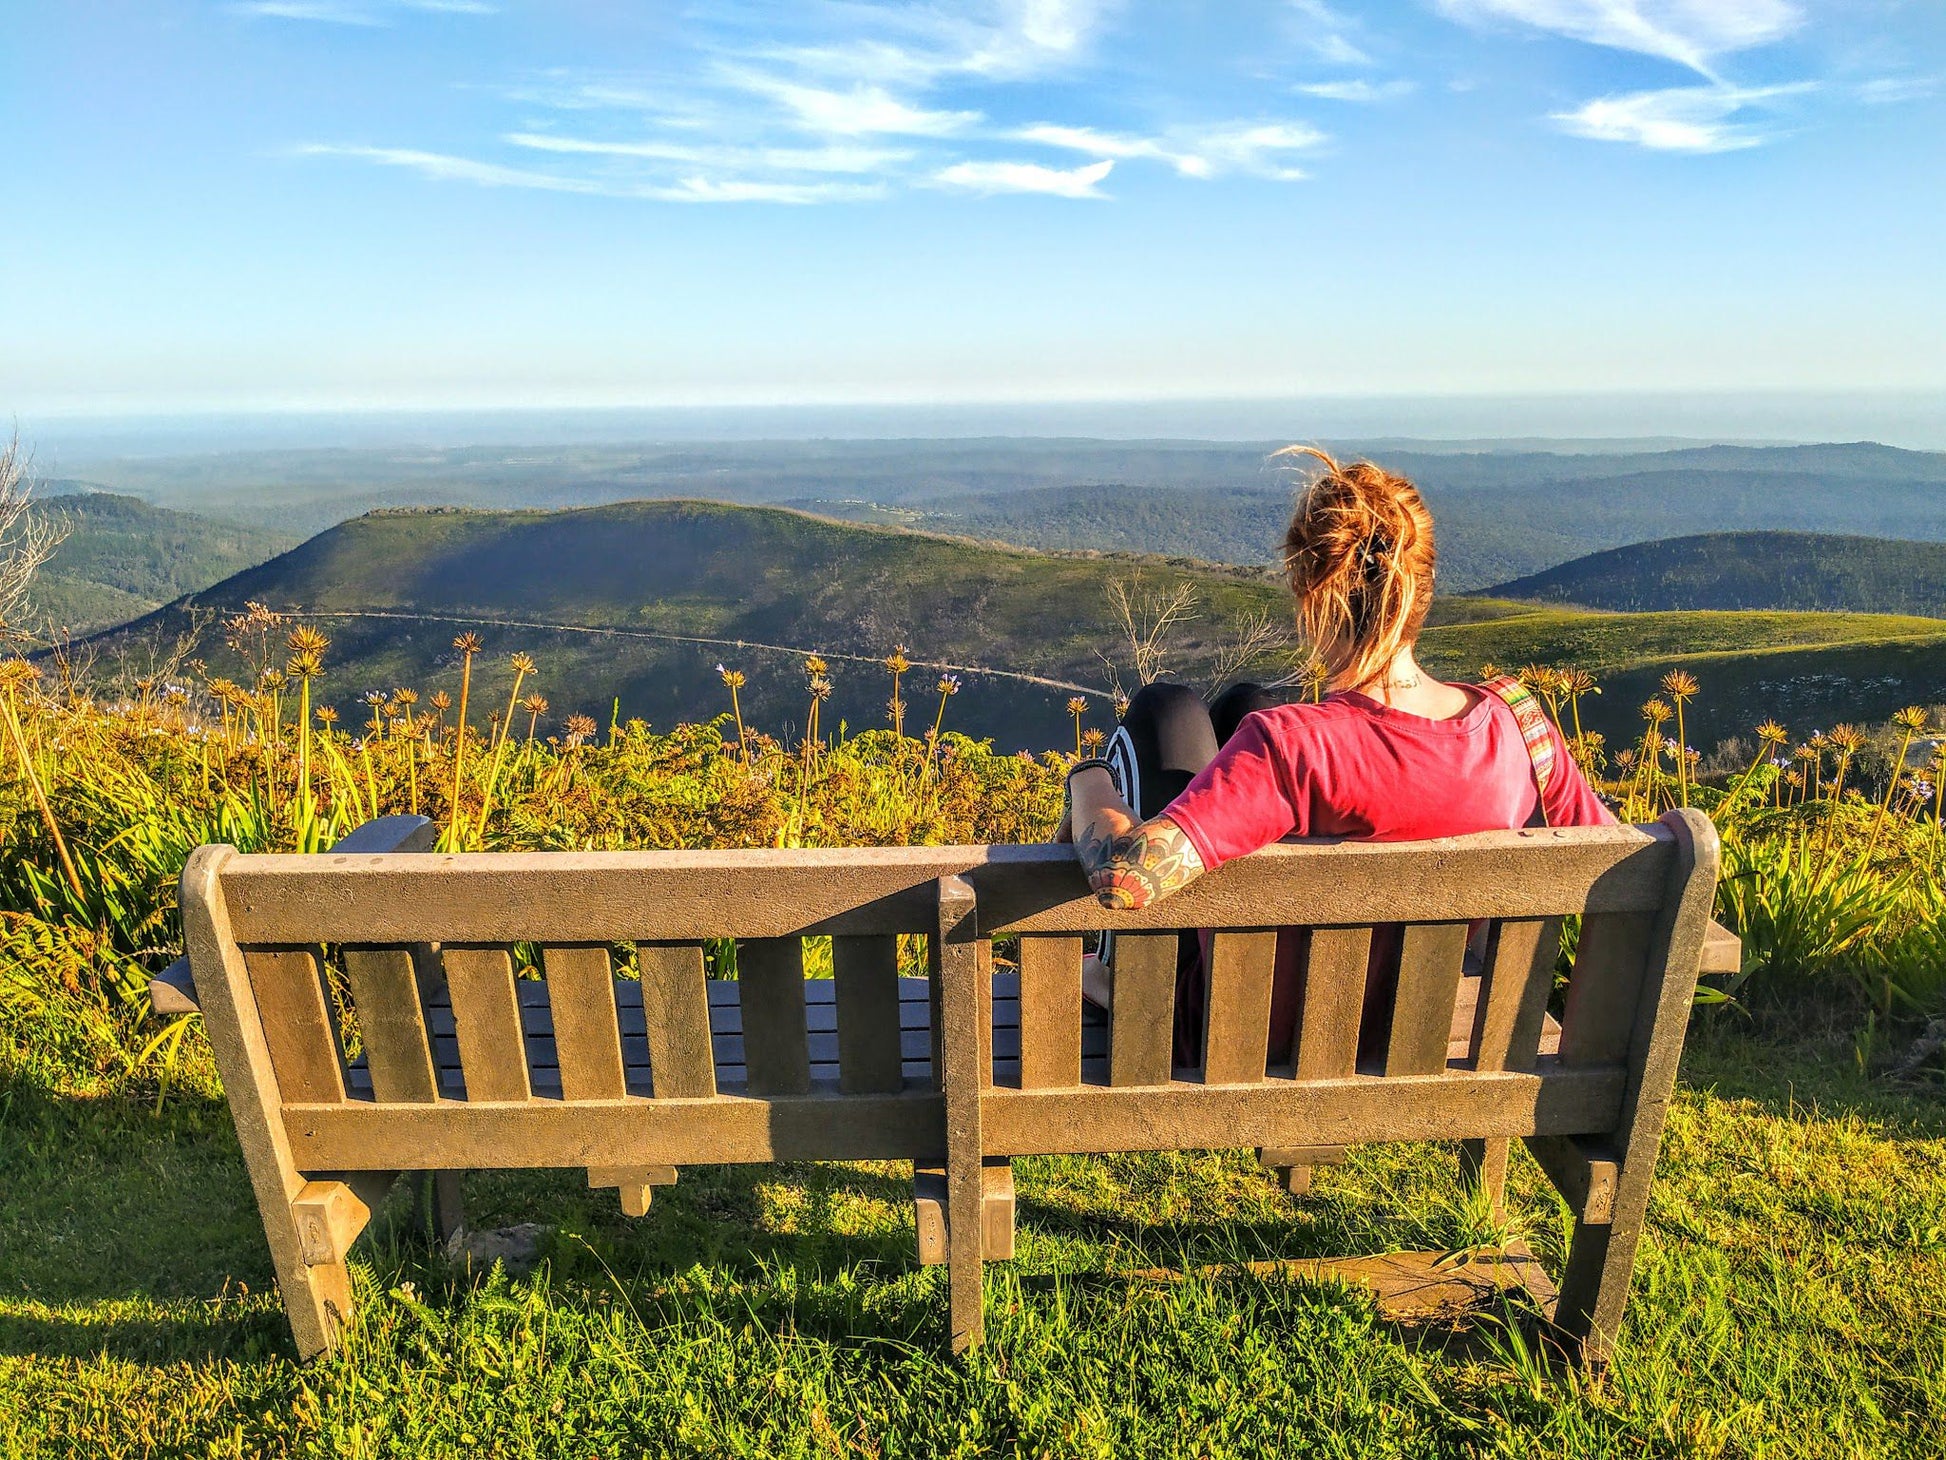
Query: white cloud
1025 177
1357 91
330 12
1678 119
348 12
1888 90
1688 32
782 159
1205 152
444 167
1327 33
920 45
861 111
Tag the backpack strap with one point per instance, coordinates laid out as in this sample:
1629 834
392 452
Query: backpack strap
1535 733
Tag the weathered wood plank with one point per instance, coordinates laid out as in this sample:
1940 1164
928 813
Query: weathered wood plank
1583 1169
1519 977
1430 963
1050 1012
996 1212
865 988
584 1022
573 897
385 991
822 1126
1334 1003
770 980
1141 1025
956 963
675 1006
298 1023
1610 963
486 1015
1236 1007
1317 1113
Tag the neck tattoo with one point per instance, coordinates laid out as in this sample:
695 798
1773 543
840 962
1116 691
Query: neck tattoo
1410 681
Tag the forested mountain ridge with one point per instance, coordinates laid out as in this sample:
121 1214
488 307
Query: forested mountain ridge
1754 570
121 557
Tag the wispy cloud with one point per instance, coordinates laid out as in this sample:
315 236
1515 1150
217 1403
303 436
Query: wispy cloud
1328 34
1890 90
1677 119
1360 91
1259 149
445 167
860 111
1025 177
781 159
374 14
1688 32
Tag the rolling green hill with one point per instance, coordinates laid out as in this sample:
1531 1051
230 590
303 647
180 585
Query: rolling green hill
1750 570
122 558
1503 513
639 601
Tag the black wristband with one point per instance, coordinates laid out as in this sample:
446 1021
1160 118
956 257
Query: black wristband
1091 762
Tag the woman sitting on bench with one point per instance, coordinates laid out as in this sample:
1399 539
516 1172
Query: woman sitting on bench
1389 754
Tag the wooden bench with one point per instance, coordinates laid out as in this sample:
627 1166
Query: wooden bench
464 1066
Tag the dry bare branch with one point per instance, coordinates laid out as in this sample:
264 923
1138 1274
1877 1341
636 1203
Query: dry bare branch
1148 618
27 540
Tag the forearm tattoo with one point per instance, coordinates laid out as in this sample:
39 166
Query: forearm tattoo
1132 870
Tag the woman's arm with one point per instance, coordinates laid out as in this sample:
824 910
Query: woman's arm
1129 862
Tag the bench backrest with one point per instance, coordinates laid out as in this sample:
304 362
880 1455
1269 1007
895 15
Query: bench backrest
576 1069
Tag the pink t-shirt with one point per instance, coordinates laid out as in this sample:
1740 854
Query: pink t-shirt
1351 767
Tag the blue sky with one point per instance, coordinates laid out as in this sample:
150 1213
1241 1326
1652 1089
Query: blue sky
455 203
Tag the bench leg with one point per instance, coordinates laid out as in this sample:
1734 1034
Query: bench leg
1483 1165
635 1183
1292 1165
440 1203
996 1211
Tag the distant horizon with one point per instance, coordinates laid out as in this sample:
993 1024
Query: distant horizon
1573 421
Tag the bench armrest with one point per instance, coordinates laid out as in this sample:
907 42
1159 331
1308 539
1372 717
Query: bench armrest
173 991
1722 951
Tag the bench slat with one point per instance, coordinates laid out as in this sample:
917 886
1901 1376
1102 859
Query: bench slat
865 985
581 994
1141 1024
770 984
298 1023
486 1015
1237 1007
1510 1015
1282 1115
1049 1013
560 897
1334 1002
1431 959
1610 962
675 1008
385 991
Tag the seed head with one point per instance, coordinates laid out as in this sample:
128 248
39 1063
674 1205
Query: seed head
1092 738
1847 740
1656 711
522 663
579 728
1077 706
406 697
374 697
441 701
467 644
897 662
305 665
1911 719
1679 685
949 684
327 716
1577 682
731 677
535 704
1771 733
814 665
821 686
304 639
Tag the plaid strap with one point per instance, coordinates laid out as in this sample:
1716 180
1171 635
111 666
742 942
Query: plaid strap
1535 733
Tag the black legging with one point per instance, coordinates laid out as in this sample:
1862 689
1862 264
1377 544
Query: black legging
1166 736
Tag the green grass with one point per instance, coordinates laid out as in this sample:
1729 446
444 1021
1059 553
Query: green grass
1790 1300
